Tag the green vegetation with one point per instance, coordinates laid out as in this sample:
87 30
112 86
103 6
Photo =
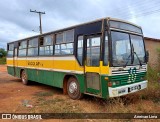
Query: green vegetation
42 94
152 74
3 53
46 102
3 60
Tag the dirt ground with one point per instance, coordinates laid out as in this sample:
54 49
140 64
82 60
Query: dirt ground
38 98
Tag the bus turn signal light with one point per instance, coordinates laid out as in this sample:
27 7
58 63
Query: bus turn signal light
106 78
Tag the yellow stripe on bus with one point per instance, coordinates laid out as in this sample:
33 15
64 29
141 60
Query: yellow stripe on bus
58 64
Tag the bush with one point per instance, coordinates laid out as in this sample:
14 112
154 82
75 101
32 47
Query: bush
3 60
3 53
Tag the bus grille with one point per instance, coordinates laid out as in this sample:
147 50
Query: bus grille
129 75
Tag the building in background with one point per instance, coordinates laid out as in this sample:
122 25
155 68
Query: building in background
152 45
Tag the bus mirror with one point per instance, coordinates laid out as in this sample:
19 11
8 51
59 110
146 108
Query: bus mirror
147 56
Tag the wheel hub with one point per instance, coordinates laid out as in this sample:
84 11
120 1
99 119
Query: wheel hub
72 87
24 78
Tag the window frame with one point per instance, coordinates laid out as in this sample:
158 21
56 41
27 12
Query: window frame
64 42
93 36
32 47
52 39
23 48
64 36
61 49
83 48
10 50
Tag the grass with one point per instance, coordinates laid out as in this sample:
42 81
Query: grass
45 102
3 60
42 94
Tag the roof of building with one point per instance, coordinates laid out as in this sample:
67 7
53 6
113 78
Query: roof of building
151 39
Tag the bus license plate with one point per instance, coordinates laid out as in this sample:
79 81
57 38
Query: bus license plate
138 87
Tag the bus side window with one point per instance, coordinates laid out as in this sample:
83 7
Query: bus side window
80 49
22 48
64 43
10 50
93 51
46 46
33 47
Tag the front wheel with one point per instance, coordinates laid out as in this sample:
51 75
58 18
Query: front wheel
73 88
24 78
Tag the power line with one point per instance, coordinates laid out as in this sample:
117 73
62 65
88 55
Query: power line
39 12
140 4
137 9
142 12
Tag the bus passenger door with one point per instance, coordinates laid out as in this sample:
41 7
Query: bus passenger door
15 61
92 64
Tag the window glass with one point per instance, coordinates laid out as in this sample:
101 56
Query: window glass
22 52
138 45
59 38
23 45
11 46
69 36
125 26
46 50
33 42
121 49
41 51
106 49
10 53
67 48
57 50
80 49
64 49
48 40
93 51
65 37
46 45
32 51
22 48
10 50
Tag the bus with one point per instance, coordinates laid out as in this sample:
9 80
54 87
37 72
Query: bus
103 58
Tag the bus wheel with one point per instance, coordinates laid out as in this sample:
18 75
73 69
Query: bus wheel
24 77
73 89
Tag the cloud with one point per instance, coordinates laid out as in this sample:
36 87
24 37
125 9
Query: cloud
17 22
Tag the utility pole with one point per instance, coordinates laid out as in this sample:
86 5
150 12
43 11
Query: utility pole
39 12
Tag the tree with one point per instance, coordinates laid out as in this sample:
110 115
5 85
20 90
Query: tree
3 53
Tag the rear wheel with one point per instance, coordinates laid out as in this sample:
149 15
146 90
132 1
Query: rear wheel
73 88
24 78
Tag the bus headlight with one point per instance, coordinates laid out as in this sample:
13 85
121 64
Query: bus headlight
113 83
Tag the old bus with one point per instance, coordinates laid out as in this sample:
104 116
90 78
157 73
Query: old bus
103 58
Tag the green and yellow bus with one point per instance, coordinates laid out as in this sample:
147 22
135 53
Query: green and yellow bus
103 58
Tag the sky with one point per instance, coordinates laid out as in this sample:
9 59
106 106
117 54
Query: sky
17 22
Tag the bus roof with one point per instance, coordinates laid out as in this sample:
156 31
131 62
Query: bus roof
71 27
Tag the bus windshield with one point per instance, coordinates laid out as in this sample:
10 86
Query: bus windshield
121 49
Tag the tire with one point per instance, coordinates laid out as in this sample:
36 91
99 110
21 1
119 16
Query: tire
24 78
73 89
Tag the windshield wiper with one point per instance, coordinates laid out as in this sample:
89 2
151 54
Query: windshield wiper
132 58
138 59
131 55
136 55
127 60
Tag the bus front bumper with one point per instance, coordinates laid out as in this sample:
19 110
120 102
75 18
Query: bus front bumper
127 89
